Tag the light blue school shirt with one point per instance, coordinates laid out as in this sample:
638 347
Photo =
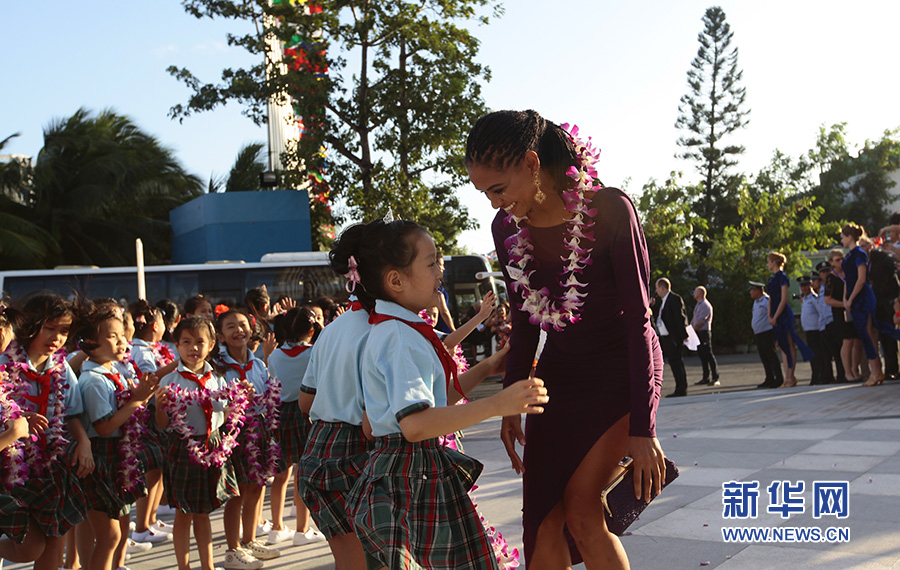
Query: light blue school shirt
809 313
333 374
402 373
195 417
826 317
99 396
289 370
142 354
71 395
258 375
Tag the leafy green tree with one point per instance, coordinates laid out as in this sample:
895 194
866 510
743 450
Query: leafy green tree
98 183
389 88
856 188
711 111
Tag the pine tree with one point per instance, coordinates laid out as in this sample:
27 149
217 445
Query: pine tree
712 110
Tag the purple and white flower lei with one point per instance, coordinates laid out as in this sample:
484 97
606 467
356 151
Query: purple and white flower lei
38 458
543 310
12 459
270 402
131 443
176 405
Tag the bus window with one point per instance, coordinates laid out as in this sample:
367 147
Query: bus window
323 282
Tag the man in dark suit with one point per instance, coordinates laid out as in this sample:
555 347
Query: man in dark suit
671 323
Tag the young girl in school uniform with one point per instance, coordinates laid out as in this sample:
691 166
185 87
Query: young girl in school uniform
337 447
288 364
199 477
255 458
147 356
43 385
114 414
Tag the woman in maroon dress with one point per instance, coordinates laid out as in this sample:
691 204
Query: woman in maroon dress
575 262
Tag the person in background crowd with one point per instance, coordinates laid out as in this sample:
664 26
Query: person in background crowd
702 323
823 354
859 299
809 321
885 285
445 320
765 337
833 337
672 326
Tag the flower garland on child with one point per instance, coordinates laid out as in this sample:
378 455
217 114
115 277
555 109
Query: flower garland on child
38 453
12 459
176 405
543 310
270 402
162 353
131 443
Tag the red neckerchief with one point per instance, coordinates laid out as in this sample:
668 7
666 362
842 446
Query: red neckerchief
43 382
207 405
295 350
355 306
241 370
116 379
137 371
451 372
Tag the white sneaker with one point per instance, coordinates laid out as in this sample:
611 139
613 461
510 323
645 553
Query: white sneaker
123 568
133 547
165 510
283 535
239 559
308 537
131 527
161 527
259 551
150 535
263 528
293 514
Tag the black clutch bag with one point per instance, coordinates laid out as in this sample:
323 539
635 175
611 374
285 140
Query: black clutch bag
621 507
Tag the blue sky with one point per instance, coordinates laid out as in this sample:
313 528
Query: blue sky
615 67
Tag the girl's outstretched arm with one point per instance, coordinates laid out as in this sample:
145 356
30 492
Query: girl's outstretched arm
488 304
523 397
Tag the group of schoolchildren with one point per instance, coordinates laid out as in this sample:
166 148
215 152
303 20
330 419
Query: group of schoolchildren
206 422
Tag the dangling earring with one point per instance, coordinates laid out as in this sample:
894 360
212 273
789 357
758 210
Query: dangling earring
539 195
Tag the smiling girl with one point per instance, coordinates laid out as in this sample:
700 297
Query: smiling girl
237 364
408 380
43 385
115 414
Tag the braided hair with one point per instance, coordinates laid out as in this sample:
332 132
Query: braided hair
500 140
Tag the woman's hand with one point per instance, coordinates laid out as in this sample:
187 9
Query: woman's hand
649 467
510 433
488 304
772 321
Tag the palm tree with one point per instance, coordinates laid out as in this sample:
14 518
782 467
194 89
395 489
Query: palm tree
248 165
98 183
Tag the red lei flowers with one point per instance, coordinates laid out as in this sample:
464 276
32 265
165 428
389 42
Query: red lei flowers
543 310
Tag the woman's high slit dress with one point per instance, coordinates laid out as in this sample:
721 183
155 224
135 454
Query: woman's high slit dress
596 370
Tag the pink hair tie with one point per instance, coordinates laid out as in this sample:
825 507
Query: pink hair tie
352 275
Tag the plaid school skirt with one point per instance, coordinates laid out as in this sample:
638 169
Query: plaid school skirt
191 488
293 430
239 457
154 447
101 488
411 507
331 463
55 501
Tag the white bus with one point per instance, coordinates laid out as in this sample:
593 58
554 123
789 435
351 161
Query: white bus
304 276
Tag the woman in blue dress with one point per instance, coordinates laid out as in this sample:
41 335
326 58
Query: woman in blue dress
781 317
859 299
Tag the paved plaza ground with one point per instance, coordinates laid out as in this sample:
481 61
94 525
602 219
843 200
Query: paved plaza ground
717 435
